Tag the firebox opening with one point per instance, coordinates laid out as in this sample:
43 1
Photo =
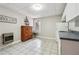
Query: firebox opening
7 38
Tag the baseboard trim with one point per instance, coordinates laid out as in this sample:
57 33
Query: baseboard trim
43 37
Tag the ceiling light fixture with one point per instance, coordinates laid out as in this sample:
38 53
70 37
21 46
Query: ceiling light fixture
37 7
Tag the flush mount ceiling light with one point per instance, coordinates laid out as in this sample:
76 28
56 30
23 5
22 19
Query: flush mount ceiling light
37 7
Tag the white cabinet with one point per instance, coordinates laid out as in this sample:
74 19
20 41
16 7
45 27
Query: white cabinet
71 11
77 9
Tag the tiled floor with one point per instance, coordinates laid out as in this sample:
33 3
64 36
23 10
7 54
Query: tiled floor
32 47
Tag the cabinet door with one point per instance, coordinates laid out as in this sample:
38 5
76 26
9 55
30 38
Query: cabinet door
77 9
71 10
30 30
69 47
23 33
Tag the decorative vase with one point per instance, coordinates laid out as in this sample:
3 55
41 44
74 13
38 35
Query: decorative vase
26 21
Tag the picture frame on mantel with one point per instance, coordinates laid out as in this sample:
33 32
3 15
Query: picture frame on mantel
7 19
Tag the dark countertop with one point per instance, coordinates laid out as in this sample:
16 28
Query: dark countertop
70 35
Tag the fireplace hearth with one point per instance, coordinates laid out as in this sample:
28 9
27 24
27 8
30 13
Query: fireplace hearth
7 38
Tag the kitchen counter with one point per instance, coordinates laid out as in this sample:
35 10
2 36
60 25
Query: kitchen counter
71 35
69 43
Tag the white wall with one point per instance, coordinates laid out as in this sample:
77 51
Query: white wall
48 26
8 27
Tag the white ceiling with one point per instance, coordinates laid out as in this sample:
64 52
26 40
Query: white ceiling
49 9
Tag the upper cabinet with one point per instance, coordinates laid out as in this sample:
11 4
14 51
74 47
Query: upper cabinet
71 11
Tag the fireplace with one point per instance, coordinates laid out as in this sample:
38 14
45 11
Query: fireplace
7 38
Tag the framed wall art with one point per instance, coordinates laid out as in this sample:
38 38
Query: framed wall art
7 19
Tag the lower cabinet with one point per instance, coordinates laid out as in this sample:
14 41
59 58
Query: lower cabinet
26 33
69 47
